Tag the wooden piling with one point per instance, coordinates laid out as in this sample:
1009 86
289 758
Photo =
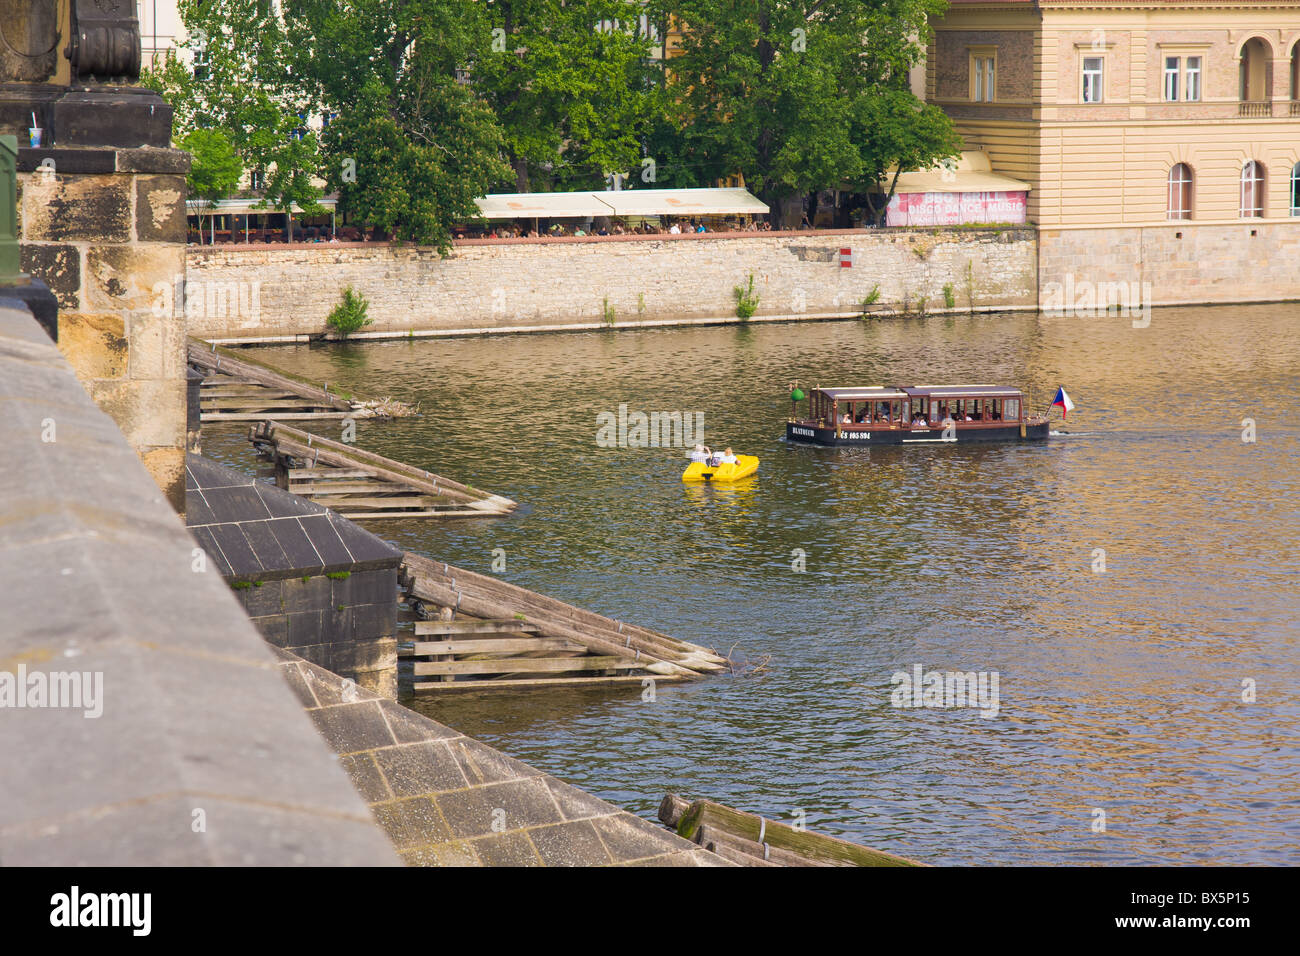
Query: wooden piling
359 484
736 835
504 636
237 388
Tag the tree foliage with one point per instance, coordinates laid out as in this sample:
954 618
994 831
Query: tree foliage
571 83
412 145
782 91
215 167
248 91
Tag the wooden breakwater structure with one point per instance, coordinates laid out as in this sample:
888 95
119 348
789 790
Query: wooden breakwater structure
751 840
360 484
236 389
492 635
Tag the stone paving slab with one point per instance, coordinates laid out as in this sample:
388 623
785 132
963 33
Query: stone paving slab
445 799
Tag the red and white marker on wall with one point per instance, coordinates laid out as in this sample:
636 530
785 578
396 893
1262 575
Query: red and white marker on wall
846 258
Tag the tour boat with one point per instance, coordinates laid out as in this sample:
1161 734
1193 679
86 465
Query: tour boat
745 466
883 415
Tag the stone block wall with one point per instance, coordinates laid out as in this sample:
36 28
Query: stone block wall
105 229
345 622
489 285
1183 262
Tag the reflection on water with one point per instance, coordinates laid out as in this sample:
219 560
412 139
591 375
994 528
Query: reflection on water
1120 691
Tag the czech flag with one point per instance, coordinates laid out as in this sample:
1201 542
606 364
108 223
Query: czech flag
1063 400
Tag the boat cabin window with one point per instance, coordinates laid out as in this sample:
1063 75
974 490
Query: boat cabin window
1011 409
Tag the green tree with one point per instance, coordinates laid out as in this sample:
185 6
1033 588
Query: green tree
571 83
413 144
779 90
248 91
899 133
215 167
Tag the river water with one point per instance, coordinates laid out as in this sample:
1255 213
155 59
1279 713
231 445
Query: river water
1120 691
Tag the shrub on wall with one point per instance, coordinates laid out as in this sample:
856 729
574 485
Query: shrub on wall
350 314
746 300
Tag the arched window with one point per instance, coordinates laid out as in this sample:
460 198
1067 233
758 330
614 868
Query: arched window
1179 203
1295 190
1252 189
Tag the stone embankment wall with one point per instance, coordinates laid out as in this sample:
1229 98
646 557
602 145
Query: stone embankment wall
270 292
1175 263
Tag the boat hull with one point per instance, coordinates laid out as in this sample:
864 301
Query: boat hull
745 466
819 435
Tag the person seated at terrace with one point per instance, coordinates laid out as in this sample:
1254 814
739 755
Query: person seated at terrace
700 228
675 230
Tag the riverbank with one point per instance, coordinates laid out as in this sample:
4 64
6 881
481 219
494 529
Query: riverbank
269 293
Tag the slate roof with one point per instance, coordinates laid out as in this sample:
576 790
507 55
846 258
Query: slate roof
250 529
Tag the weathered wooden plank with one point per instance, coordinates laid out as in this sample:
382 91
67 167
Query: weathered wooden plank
524 665
351 486
816 848
313 448
253 417
204 357
463 512
426 628
534 604
491 645
500 684
252 403
307 474
443 596
356 501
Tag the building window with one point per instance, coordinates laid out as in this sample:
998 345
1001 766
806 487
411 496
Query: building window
1092 79
1173 66
983 78
1180 192
1295 190
1192 86
1252 190
257 179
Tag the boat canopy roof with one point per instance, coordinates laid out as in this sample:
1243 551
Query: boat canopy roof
871 393
875 393
962 391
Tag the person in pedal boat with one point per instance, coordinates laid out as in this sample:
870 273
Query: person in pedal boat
699 453
728 458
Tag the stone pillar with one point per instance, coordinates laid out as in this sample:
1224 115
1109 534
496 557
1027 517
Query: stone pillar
101 212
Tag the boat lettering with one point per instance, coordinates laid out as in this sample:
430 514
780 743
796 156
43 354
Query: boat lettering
804 431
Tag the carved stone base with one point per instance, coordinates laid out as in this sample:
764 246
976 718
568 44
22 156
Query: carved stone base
120 116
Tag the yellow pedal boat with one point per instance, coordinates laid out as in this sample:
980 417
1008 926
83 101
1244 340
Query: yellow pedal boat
745 466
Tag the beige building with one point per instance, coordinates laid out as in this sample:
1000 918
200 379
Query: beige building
1161 140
